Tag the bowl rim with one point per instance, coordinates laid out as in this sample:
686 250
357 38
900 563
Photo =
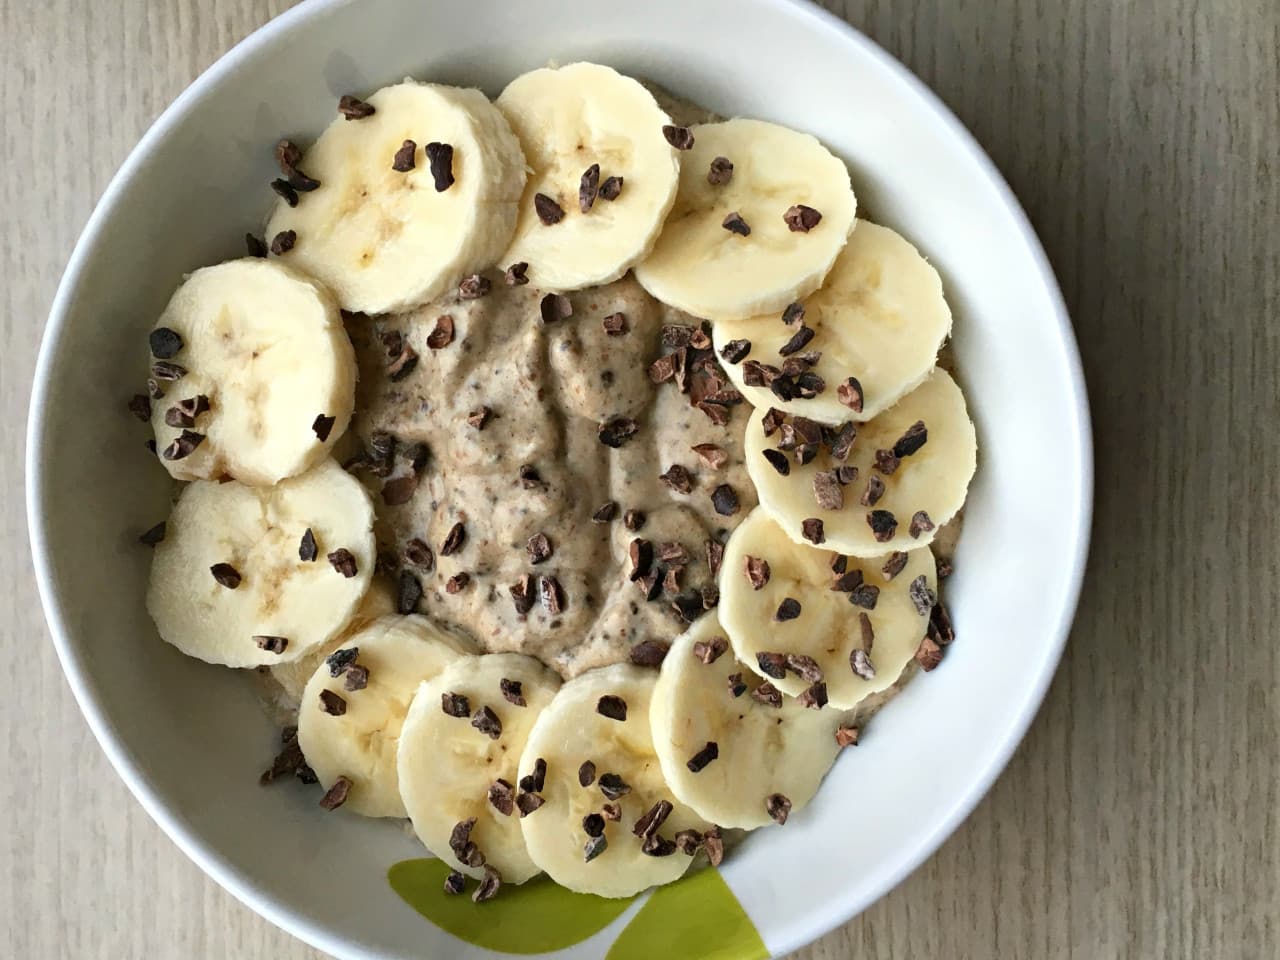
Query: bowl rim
835 912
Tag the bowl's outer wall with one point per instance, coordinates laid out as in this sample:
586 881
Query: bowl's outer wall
190 739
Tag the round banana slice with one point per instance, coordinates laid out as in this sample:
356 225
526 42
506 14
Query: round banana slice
600 776
603 174
878 321
906 473
255 374
411 198
760 216
354 706
765 744
229 584
458 762
797 615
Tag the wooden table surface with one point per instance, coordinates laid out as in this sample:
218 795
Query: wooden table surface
1139 818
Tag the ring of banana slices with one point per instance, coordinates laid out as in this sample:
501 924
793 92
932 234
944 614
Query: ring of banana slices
859 445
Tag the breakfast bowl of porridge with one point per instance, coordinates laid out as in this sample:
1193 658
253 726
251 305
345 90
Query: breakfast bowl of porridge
499 489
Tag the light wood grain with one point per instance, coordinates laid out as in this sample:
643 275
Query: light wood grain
1139 817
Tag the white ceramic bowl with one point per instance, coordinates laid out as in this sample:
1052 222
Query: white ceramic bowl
189 739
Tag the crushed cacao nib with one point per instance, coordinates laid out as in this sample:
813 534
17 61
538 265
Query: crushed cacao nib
922 597
842 439
440 162
848 581
336 795
140 407
453 540
285 192
343 561
713 844
735 351
418 554
455 883
710 596
928 654
772 420
615 324
463 846
417 454
805 667
717 413
457 583
617 431
613 786
940 628
688 842
474 287
615 708
330 702
288 760
442 335
399 491
490 884
849 393
911 441
894 565
552 595
688 607
773 665
725 500
920 523
184 412
588 188
715 555
757 374
153 389
778 807
539 548
827 490
353 108
502 795
735 224
874 491
307 548
340 661
799 340
555 306
455 705
679 137
640 553
720 172
663 370
408 593
709 651
404 161
883 524
382 453
255 246
669 551
516 275
788 609
548 211
534 782
479 417
737 686
784 388
649 653
611 189
757 571
712 456
650 585
586 774
887 462
276 645
809 385
945 568
847 736
860 663
357 678
593 825
226 575
605 512
650 822
767 694
839 563
522 594
801 219
183 445
322 426
656 845
778 461
676 335
812 529
487 722
865 595
165 370
164 342
846 474
677 478
594 847
283 242
868 632
814 697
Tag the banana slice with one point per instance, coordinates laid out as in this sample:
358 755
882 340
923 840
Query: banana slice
354 706
228 584
257 374
879 318
580 742
586 130
750 242
452 771
903 490
766 744
386 236
858 627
